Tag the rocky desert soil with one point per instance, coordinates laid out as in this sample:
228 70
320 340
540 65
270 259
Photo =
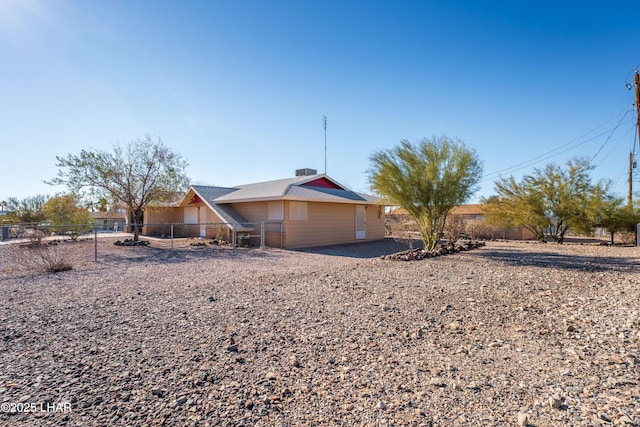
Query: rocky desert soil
508 334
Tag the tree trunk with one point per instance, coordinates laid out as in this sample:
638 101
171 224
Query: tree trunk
429 240
137 224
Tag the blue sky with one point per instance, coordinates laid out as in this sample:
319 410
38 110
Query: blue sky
239 88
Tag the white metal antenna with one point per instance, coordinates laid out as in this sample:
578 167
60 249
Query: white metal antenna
324 120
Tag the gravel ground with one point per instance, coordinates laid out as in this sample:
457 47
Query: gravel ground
508 334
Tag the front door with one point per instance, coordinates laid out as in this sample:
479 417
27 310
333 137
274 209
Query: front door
361 222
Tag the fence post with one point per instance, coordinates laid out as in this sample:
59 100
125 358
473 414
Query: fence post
172 237
95 243
233 237
281 236
262 235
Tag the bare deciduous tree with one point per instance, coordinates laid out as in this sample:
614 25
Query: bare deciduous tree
141 172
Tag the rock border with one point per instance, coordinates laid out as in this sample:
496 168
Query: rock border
131 242
445 249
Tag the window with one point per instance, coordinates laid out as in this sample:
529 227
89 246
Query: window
298 211
191 215
276 211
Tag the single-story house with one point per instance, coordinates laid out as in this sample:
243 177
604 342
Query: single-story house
111 220
474 217
307 210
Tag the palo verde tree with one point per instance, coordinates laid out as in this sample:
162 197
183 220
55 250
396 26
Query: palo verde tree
66 217
25 211
518 205
550 201
428 179
617 218
141 172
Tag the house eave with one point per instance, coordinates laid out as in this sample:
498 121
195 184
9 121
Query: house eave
302 199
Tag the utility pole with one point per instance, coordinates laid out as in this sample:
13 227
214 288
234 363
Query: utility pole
636 84
630 195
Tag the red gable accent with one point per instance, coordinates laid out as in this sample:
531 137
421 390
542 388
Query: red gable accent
322 182
195 199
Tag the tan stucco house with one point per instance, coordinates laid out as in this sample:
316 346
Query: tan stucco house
307 210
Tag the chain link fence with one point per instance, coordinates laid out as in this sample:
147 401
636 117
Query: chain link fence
84 242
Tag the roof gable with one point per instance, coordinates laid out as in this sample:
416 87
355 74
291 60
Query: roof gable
322 182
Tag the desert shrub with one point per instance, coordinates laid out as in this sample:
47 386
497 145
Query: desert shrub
223 234
51 257
35 236
40 255
626 237
403 229
454 227
479 229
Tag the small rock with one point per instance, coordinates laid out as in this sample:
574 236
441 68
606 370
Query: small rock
130 415
270 376
293 361
381 405
455 327
523 419
437 382
625 420
555 401
158 392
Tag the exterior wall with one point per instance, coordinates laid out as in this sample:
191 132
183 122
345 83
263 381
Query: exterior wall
513 234
375 222
252 211
330 224
326 224
214 226
158 220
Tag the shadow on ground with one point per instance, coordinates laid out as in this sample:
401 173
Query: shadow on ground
151 254
374 249
566 261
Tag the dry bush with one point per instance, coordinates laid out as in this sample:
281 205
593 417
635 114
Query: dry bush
479 229
51 257
626 237
454 228
40 255
403 229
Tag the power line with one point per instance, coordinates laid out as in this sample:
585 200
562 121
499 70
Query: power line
609 137
560 149
622 138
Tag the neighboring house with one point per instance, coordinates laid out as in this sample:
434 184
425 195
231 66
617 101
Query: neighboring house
110 220
307 210
474 217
